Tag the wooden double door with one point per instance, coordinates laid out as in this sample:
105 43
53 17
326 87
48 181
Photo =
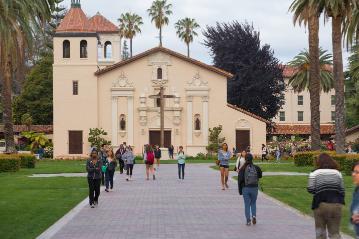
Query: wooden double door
242 140
155 135
75 142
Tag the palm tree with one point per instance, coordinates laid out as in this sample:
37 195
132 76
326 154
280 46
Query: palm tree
300 80
338 11
186 30
159 12
18 22
305 13
129 26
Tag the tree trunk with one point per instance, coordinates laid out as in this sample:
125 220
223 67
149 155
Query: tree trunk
7 104
130 47
314 81
160 36
188 50
338 84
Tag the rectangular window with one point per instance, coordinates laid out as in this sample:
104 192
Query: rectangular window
300 100
75 87
300 115
332 100
281 115
333 116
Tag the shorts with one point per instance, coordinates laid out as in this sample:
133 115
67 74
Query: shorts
149 163
223 166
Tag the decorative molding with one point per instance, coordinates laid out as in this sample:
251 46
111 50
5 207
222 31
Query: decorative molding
122 133
122 82
205 98
242 124
197 133
197 81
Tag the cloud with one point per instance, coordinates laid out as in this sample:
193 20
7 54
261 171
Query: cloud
271 18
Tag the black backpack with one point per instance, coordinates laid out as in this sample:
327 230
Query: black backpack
250 176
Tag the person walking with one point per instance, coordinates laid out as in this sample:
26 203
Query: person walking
120 151
129 159
181 160
158 155
241 159
170 151
110 169
354 208
224 156
327 186
248 181
93 168
277 153
103 158
150 158
264 153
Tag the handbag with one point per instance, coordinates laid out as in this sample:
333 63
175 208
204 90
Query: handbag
217 162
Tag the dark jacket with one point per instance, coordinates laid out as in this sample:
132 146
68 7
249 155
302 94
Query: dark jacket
241 178
157 153
354 209
111 166
119 153
93 170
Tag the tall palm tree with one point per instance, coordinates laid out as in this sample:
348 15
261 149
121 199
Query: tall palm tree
159 12
18 22
186 30
129 26
305 13
300 80
338 11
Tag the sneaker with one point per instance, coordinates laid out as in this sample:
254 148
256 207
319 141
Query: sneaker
95 203
127 179
92 206
248 223
106 190
154 177
254 220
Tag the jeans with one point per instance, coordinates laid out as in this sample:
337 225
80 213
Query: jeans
327 217
94 189
109 178
129 169
121 165
181 170
250 201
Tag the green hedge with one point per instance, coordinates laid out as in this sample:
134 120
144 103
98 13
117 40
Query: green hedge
345 161
27 160
10 163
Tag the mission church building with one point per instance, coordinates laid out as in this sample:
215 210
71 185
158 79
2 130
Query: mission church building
94 88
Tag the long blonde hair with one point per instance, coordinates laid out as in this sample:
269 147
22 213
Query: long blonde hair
112 157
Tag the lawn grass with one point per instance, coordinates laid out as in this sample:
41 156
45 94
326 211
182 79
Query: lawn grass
28 206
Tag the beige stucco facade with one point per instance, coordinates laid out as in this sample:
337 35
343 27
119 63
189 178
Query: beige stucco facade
300 102
123 90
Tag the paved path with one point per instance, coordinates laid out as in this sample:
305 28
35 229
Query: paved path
168 208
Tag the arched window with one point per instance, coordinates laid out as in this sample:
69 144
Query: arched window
122 122
83 49
197 122
66 49
159 73
108 50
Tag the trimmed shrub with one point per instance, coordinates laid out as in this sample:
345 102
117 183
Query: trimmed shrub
9 163
348 163
27 160
308 158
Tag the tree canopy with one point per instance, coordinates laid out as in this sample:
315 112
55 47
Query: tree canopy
258 84
36 96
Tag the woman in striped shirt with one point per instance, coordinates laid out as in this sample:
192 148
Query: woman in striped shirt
327 186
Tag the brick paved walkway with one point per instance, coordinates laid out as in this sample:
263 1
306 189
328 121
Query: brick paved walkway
191 209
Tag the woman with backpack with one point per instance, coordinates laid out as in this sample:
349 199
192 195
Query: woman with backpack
224 156
150 159
110 169
93 168
181 160
129 160
327 186
248 181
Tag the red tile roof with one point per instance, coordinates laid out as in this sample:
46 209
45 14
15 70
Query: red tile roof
168 51
75 21
102 25
301 129
289 71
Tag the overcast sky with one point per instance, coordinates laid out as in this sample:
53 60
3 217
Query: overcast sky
271 18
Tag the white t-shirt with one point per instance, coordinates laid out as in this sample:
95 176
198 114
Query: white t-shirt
264 150
240 162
